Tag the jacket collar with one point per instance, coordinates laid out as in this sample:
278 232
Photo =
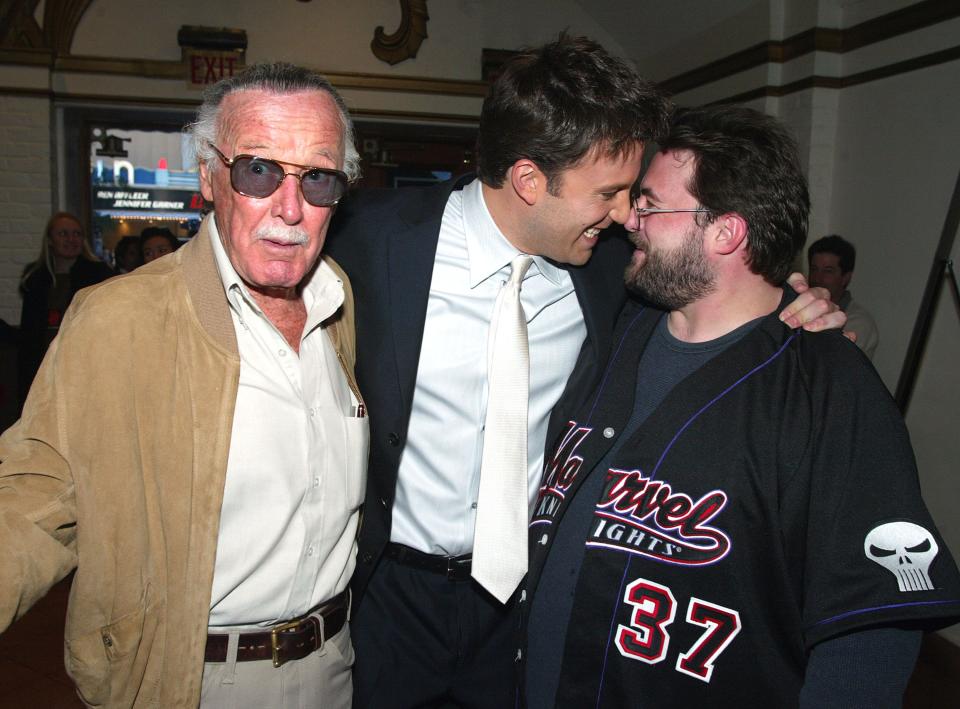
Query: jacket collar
206 289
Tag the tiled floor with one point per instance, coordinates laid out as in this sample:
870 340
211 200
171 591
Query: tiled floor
32 674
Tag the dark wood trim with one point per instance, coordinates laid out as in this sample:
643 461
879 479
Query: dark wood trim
23 91
749 58
133 102
27 57
819 39
831 82
174 70
893 24
420 117
927 60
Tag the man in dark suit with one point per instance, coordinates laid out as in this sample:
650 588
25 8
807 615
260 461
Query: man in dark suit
561 138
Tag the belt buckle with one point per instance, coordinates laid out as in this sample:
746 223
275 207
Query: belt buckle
454 568
274 639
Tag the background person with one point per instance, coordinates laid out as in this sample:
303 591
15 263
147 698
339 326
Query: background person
128 254
156 242
65 265
831 260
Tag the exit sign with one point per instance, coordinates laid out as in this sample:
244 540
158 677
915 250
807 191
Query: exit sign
208 67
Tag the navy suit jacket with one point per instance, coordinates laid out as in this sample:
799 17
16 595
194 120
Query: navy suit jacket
386 241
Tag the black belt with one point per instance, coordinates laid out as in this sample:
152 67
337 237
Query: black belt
455 568
286 641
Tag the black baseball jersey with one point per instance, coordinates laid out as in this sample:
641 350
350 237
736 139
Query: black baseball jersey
770 502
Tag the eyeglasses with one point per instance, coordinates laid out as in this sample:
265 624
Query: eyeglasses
253 176
644 211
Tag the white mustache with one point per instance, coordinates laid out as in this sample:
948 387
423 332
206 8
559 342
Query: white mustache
282 235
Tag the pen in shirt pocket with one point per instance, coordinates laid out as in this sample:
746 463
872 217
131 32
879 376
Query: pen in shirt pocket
359 411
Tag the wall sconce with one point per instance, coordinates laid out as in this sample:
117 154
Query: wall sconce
111 146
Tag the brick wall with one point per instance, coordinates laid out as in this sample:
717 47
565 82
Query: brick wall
25 194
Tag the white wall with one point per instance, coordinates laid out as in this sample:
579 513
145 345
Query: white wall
336 36
25 203
897 160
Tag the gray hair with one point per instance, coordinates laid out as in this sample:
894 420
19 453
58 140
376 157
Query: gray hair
278 78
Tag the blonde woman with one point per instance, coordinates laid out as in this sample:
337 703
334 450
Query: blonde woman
65 265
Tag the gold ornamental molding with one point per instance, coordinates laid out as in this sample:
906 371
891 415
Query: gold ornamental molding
19 28
405 42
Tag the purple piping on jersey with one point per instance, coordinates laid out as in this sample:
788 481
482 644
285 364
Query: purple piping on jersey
883 608
626 567
613 619
717 398
613 359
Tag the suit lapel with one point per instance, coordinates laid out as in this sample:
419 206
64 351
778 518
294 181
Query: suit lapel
412 250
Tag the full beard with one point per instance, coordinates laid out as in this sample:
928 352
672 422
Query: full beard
672 279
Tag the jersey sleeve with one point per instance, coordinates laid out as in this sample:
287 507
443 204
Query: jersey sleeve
873 555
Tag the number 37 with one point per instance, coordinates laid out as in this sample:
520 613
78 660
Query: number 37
646 638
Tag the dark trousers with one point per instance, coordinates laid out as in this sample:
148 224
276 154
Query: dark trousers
422 640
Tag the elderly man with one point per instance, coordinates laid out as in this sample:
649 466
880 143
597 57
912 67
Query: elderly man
456 457
732 517
195 444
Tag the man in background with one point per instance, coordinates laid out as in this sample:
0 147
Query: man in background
831 261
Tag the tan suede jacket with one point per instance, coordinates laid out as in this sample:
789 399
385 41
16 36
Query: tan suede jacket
117 469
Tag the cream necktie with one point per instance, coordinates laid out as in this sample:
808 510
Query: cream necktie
500 534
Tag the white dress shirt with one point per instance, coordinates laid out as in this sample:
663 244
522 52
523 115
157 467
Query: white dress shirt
439 475
296 471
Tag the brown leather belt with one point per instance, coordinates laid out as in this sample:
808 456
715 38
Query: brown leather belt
455 568
286 641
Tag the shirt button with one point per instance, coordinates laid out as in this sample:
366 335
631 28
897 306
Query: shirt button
608 432
473 506
310 551
282 353
316 482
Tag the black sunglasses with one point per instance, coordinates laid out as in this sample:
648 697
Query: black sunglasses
258 177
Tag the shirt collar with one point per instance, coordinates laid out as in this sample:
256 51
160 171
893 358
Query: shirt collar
322 293
488 250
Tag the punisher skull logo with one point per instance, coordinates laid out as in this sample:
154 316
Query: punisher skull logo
904 549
